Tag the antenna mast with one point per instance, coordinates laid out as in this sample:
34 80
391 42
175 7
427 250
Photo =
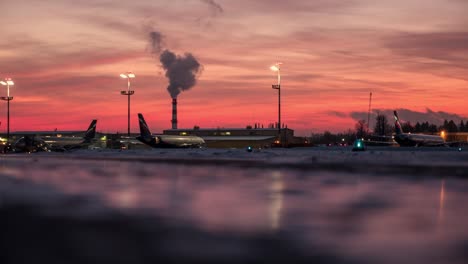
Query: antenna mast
368 112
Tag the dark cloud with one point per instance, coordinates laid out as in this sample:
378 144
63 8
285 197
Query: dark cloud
296 6
22 42
272 78
461 2
406 115
51 65
449 47
30 59
337 114
443 54
107 23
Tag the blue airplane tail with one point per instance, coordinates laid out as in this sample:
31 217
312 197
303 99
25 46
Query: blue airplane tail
144 130
398 129
91 132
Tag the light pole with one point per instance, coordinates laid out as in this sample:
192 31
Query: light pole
276 68
128 76
8 98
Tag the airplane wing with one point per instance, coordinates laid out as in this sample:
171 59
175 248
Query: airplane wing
380 143
456 143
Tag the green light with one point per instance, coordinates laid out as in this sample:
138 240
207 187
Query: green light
358 145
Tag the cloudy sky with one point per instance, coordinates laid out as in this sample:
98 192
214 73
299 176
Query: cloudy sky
66 56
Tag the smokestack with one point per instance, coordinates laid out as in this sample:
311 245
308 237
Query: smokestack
181 70
174 113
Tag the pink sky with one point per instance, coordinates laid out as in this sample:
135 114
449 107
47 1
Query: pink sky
66 56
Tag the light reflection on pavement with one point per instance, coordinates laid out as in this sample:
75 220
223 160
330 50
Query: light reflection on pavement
361 217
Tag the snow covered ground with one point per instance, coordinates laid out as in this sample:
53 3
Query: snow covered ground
376 160
326 205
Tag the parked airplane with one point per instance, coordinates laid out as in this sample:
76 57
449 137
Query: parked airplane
166 141
415 140
69 143
28 143
34 143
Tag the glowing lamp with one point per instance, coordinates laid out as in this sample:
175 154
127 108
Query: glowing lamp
128 75
128 92
7 81
442 134
277 86
276 67
359 145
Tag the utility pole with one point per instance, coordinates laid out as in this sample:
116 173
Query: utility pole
128 92
368 112
7 82
277 86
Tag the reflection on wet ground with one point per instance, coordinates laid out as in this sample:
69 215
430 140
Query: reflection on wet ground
75 211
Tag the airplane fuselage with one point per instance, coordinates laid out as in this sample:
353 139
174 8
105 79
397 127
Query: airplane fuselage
61 141
172 141
42 141
416 140
166 141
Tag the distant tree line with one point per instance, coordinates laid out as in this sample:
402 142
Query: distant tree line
329 138
383 128
425 127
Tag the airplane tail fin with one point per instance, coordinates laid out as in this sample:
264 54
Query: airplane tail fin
398 129
144 130
91 132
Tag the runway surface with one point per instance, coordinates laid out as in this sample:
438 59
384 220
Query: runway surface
326 205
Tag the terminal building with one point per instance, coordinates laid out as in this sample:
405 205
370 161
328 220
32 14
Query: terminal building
242 137
255 137
461 137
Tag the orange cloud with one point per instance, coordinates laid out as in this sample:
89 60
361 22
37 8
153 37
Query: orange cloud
65 61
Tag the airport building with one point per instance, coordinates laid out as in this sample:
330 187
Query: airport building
241 137
456 136
213 137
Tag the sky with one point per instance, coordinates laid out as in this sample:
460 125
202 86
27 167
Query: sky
66 56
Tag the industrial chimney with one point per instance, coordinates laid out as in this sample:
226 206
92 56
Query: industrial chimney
174 113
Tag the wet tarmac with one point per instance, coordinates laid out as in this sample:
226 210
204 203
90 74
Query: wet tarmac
231 206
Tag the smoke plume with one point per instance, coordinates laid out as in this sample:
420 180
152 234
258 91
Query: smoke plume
215 7
182 71
155 44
